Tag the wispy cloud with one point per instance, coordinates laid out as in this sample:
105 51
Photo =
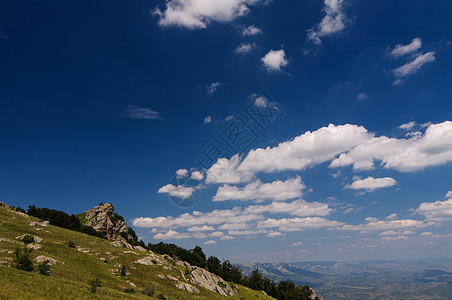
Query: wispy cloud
414 65
244 48
332 23
251 30
400 50
212 87
135 112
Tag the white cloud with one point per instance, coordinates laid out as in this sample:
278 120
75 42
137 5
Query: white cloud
179 191
374 224
211 88
400 50
333 22
207 120
299 208
433 148
227 238
182 173
297 224
394 238
210 242
370 183
217 234
234 226
361 96
414 65
297 244
437 211
225 171
195 14
137 113
258 191
199 235
392 216
201 228
275 234
449 194
215 217
246 232
274 60
261 102
408 126
197 175
171 235
244 48
251 30
398 82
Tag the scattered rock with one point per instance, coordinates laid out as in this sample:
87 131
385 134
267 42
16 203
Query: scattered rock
43 258
34 246
131 283
84 250
130 252
151 259
172 278
8 241
161 276
187 287
37 239
211 282
139 248
117 244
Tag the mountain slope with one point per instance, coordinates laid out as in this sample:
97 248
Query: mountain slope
93 257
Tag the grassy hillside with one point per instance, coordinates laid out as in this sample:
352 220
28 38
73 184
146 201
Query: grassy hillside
92 257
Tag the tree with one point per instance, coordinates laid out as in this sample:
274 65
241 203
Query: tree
214 265
255 281
23 260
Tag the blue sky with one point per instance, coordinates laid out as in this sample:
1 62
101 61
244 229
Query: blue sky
115 101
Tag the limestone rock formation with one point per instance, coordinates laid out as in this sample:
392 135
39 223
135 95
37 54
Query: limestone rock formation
104 219
212 282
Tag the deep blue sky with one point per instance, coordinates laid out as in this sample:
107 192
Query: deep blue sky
74 75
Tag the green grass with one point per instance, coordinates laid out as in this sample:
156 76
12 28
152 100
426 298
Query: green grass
69 280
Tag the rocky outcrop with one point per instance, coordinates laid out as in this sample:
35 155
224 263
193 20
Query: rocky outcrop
104 219
212 282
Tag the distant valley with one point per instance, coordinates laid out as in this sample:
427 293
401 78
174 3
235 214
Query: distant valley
378 279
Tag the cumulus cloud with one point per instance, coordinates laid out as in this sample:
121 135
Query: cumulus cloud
251 30
182 173
299 208
436 211
210 242
361 96
274 60
392 216
432 148
201 228
374 224
225 171
195 14
408 126
401 50
197 175
171 235
179 191
134 112
414 65
332 23
258 191
297 224
370 183
449 194
211 88
244 48
275 234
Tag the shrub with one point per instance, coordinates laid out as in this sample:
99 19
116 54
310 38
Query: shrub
162 297
95 282
221 284
149 290
23 260
123 271
71 244
28 239
130 291
44 268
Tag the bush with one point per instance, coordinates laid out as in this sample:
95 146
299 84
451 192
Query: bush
161 296
71 244
149 290
23 260
28 239
95 282
129 291
44 268
123 271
